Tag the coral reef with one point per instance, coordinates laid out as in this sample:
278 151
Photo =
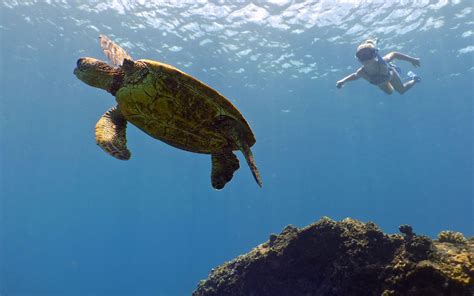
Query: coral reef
346 258
448 236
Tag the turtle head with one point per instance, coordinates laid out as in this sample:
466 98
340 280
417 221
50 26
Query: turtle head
98 74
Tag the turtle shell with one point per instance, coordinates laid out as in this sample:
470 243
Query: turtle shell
178 109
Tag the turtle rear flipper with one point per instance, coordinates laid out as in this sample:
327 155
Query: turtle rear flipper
110 134
233 130
114 52
244 147
223 167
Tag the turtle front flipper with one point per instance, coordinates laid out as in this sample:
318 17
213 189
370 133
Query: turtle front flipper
223 167
114 52
110 134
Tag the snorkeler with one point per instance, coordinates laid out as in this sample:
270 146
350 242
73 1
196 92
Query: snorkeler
380 71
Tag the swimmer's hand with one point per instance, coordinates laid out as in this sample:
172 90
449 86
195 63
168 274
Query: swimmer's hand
416 62
340 84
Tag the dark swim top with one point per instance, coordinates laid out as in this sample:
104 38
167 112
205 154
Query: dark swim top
378 79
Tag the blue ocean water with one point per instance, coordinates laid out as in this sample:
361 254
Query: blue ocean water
75 221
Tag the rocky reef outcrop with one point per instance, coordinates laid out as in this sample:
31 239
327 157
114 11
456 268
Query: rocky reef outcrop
348 258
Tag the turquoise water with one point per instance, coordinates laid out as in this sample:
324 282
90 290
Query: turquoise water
75 221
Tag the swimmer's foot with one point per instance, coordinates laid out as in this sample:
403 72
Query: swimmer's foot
413 76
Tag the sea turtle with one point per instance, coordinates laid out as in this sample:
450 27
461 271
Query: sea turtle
170 106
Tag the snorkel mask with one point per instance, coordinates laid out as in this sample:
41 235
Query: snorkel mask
367 51
366 54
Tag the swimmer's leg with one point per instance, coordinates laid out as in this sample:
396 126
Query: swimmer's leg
399 85
387 88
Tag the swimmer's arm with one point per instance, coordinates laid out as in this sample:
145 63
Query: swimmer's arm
400 56
352 77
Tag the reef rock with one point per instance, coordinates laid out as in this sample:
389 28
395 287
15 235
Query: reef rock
348 258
